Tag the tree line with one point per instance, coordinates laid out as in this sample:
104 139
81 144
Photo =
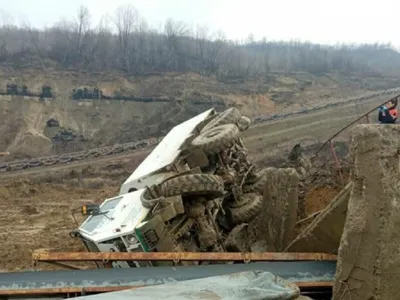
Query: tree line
125 42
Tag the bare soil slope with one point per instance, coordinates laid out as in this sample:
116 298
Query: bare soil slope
89 123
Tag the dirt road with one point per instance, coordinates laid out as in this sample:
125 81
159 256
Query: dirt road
268 140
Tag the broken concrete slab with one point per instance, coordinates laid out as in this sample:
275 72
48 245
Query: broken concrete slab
368 264
325 231
277 219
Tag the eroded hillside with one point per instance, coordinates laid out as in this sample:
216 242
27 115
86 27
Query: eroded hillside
92 109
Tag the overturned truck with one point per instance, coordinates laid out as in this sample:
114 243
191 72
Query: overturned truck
191 193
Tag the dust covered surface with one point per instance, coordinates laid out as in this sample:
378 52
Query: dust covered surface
369 254
319 196
324 233
36 205
278 216
35 211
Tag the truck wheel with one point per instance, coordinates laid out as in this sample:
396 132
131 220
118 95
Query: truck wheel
148 201
193 184
257 187
216 139
243 123
229 116
257 184
248 210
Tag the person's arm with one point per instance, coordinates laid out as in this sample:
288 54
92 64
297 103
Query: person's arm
394 103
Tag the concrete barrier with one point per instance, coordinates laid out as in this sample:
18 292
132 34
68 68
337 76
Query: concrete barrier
278 216
369 254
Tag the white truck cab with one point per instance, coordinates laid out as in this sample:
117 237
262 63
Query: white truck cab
114 227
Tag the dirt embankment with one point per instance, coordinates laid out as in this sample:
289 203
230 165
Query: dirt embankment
31 126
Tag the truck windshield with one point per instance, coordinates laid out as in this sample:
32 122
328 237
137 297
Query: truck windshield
93 222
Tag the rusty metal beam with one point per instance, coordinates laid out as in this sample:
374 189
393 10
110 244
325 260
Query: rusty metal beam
79 290
65 290
178 256
314 284
66 266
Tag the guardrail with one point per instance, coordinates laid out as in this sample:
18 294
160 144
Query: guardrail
143 144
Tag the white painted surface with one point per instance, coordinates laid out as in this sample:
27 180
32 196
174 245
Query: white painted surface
166 152
124 213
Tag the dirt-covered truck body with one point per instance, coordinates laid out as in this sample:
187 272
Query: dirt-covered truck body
114 228
187 195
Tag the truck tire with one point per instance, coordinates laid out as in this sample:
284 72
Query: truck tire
257 187
248 210
148 201
229 116
243 123
216 139
193 184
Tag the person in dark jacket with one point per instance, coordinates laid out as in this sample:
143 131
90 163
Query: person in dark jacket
388 113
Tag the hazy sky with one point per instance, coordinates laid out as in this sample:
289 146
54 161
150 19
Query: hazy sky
323 21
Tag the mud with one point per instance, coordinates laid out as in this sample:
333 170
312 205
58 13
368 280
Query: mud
369 254
324 233
278 216
35 211
319 197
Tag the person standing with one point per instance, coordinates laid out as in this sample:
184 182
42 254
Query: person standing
388 112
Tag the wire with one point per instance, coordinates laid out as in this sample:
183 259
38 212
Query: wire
353 122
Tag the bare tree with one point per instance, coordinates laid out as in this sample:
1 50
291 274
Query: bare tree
126 20
218 41
201 40
175 32
6 23
125 42
34 38
266 58
103 45
62 43
83 26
